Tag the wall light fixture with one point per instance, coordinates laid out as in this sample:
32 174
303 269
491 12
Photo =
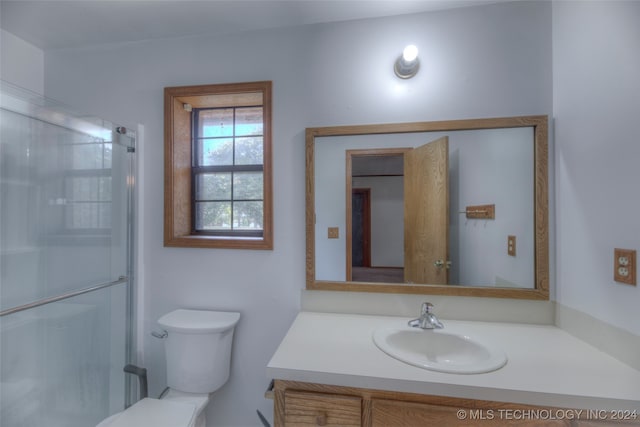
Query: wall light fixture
407 64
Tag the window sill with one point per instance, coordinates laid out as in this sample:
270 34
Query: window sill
199 241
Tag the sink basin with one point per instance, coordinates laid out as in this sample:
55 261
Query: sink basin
439 350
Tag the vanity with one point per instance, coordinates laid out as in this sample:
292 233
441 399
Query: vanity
472 220
328 371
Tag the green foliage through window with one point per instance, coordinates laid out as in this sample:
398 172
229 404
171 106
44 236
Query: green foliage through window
227 171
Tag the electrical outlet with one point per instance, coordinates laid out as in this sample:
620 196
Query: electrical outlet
333 232
511 245
624 266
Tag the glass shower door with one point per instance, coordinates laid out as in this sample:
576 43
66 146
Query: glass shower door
65 238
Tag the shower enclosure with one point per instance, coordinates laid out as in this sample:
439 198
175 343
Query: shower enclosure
66 222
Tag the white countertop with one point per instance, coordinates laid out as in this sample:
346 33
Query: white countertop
546 366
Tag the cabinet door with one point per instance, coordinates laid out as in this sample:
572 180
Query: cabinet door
317 409
607 423
392 413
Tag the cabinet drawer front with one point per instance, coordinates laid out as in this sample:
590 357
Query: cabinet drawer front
317 409
393 413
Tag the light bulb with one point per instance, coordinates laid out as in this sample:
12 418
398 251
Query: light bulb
410 53
407 64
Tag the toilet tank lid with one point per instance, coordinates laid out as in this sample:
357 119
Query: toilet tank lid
198 321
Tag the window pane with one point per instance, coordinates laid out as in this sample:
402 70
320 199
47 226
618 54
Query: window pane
88 188
247 215
247 186
108 156
216 123
213 186
82 215
249 151
249 121
215 152
213 216
88 202
105 215
82 189
85 156
105 188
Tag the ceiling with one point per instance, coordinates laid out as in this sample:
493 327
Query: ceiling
53 24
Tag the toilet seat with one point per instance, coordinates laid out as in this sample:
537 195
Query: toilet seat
199 400
150 412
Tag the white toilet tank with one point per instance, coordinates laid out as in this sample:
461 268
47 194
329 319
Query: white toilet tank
198 348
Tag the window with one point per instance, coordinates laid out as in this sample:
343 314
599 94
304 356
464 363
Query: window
227 169
87 186
218 166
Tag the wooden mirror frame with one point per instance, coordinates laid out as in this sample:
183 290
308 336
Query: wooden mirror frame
541 207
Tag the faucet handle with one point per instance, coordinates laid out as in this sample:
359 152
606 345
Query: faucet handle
427 308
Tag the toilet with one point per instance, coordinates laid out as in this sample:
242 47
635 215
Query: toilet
198 350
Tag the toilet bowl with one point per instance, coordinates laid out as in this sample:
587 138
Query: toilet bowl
198 350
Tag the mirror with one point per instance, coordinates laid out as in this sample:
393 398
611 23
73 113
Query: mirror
449 207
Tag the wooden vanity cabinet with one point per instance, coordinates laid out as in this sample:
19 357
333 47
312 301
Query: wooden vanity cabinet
307 404
397 413
302 408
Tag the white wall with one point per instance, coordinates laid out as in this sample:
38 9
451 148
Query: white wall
596 92
492 166
477 62
21 63
387 219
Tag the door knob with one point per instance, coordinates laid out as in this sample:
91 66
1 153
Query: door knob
439 264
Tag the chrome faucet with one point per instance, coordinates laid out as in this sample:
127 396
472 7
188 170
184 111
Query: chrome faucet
427 319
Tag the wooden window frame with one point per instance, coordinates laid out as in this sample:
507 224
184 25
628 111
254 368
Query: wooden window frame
178 208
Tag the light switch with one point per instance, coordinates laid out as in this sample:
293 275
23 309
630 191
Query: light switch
511 245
